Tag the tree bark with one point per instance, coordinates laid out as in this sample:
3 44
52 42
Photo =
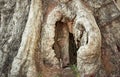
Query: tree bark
29 44
13 19
45 37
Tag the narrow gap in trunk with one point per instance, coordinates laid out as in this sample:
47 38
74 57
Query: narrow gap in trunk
64 46
61 44
72 50
65 50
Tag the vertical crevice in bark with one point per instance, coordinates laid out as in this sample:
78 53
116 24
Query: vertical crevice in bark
48 38
91 35
72 50
83 43
61 45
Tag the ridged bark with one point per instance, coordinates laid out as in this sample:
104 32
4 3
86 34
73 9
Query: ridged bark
44 37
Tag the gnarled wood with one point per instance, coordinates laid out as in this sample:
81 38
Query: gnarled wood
64 23
86 64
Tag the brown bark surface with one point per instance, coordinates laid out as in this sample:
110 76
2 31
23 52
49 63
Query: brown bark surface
42 38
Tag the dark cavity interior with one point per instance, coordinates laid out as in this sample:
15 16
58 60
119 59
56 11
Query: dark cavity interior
64 46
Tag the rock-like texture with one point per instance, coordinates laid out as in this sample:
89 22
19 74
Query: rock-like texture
20 32
13 17
107 15
92 40
24 62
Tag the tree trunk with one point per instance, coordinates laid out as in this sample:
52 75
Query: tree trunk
45 38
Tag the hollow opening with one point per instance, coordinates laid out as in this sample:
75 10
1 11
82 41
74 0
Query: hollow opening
72 50
64 46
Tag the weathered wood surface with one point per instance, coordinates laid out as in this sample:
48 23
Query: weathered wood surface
20 35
